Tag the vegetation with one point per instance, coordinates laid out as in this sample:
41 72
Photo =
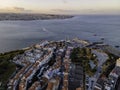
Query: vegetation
109 64
83 57
7 67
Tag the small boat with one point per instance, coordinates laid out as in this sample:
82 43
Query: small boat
44 29
117 46
102 38
95 35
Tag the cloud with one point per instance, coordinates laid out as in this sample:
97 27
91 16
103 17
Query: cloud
85 11
62 10
16 9
20 9
64 1
78 11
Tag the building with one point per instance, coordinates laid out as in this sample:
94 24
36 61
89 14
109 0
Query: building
118 62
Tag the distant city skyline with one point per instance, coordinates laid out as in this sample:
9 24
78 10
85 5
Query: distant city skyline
61 6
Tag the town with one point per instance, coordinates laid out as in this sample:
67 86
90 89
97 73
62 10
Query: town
66 65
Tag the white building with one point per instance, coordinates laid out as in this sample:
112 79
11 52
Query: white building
118 62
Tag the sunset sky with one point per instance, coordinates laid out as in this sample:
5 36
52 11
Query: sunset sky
60 6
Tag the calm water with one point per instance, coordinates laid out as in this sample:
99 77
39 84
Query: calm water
20 34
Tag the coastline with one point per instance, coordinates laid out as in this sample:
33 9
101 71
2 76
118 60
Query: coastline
76 44
106 47
109 48
30 17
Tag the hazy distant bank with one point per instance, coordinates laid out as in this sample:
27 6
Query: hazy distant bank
26 17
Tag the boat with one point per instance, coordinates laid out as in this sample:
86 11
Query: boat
117 46
102 38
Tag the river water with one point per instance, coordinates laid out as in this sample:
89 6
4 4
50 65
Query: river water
20 34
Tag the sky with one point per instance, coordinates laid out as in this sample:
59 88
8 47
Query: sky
61 6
